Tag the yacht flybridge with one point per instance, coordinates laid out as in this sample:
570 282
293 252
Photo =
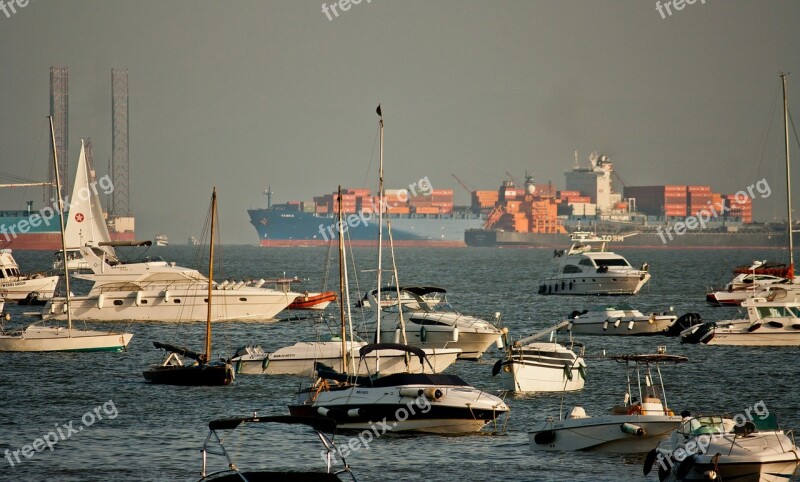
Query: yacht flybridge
586 268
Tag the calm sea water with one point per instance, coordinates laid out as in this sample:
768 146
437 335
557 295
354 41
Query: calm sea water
158 430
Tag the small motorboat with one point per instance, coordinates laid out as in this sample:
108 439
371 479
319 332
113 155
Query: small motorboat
717 448
768 323
541 366
221 432
405 402
312 301
621 319
636 426
586 268
757 279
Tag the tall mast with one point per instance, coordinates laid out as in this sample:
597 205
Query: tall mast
380 240
207 354
342 268
788 177
61 221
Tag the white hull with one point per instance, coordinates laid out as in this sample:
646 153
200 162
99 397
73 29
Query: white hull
440 426
44 338
744 471
19 289
722 337
179 305
646 326
472 344
605 434
538 377
299 359
594 284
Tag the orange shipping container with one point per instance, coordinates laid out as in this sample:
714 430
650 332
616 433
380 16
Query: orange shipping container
399 210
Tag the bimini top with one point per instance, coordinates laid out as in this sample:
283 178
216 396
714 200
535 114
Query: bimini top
321 424
366 349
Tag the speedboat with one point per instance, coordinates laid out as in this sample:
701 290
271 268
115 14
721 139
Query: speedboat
16 286
221 431
429 325
713 447
636 426
757 279
537 366
586 268
768 323
621 319
300 359
402 402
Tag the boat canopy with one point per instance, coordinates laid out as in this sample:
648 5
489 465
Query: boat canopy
322 424
650 358
399 379
182 351
366 349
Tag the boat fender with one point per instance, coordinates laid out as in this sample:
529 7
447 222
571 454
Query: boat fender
354 412
166 295
455 334
685 467
397 335
665 469
64 307
649 460
582 371
323 411
568 372
754 327
138 298
545 437
632 429
775 324
423 334
259 283
411 392
433 393
496 367
101 299
499 342
796 326
574 314
616 323
630 325
605 325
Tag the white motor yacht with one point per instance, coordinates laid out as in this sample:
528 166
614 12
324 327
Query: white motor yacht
429 325
17 286
636 426
716 448
586 268
402 402
768 323
756 280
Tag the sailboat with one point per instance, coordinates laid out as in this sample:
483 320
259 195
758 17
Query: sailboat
39 338
418 402
86 225
172 370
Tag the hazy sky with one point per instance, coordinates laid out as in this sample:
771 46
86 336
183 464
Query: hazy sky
242 94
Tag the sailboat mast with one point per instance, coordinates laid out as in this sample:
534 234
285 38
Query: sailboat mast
61 221
207 353
380 240
342 268
788 177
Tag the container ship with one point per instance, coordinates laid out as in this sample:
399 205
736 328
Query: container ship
527 215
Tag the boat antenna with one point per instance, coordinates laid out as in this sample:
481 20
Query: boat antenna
380 240
61 221
788 176
342 269
207 354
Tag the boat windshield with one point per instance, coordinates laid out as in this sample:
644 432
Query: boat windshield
621 306
611 262
778 312
703 425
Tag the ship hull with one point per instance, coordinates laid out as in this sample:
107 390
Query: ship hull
488 238
20 230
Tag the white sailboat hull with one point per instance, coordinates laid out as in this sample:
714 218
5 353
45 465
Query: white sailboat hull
299 359
185 305
605 433
530 376
45 338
